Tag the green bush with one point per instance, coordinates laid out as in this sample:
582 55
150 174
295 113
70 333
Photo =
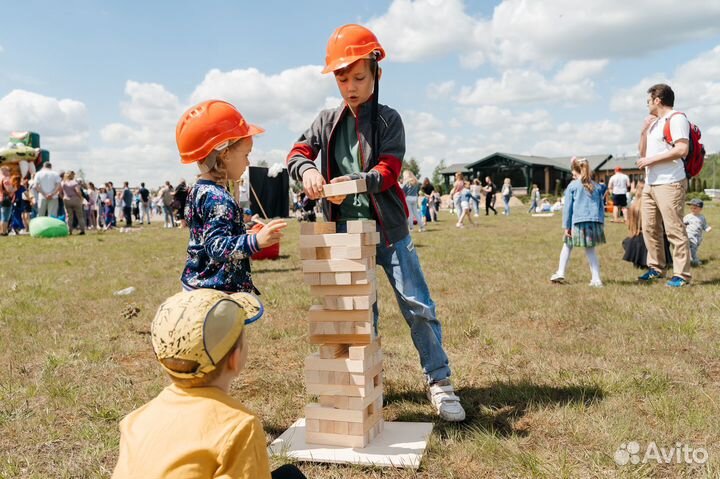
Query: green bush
698 194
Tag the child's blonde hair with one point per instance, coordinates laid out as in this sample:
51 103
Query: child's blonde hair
581 166
634 213
187 366
409 177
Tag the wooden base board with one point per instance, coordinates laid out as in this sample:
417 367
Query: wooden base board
400 445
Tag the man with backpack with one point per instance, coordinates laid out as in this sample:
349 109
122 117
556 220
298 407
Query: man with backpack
665 186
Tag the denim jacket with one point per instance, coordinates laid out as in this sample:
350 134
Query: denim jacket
582 206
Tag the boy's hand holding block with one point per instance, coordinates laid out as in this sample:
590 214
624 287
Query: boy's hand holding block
344 188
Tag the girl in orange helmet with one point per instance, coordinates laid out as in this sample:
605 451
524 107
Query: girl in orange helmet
215 135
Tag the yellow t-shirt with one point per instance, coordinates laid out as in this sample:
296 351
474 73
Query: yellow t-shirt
191 434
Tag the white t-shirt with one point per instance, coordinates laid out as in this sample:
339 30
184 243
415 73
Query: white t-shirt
619 183
666 172
47 181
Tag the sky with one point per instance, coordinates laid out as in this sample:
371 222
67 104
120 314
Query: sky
104 83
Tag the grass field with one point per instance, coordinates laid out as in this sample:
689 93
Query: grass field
554 378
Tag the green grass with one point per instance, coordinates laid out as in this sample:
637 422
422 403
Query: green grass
554 378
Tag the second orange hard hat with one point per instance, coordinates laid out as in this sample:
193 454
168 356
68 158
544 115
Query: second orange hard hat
349 44
207 125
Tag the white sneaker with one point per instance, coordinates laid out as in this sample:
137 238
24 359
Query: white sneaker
596 284
557 278
442 396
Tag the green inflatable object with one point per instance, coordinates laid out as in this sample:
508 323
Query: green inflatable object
47 227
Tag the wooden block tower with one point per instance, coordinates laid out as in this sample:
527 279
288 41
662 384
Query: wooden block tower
346 372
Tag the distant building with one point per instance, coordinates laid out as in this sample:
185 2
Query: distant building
524 170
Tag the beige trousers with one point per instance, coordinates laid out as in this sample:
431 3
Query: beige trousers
664 205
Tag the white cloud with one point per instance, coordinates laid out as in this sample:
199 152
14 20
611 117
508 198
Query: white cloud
422 29
579 70
425 139
525 31
437 91
696 84
524 86
62 124
293 96
541 33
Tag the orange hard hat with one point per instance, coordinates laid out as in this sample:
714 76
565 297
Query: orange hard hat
349 44
207 125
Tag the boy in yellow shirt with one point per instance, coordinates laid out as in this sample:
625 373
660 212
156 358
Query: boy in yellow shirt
194 428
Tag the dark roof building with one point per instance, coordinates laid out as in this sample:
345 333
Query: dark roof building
550 174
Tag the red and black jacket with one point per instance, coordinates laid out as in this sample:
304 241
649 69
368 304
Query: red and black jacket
386 196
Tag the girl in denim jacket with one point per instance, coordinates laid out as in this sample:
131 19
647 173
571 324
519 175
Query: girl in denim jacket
583 221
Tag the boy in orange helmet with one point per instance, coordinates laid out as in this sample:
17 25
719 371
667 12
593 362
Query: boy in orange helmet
362 139
215 135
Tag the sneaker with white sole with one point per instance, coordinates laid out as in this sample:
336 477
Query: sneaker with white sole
442 396
596 283
557 278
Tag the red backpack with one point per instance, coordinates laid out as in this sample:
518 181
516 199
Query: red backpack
696 151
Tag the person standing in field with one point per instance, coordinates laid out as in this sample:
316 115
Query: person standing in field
583 221
362 139
490 190
506 194
411 189
665 187
619 184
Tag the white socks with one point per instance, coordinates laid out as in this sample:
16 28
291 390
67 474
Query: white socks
594 264
592 258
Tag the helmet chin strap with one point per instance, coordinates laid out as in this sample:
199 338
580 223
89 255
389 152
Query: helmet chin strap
374 145
209 162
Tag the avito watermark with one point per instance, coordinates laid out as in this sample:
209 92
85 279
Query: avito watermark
629 453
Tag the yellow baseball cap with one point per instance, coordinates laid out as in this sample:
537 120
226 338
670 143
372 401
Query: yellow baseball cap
201 326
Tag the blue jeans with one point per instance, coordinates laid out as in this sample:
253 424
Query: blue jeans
506 200
402 267
5 213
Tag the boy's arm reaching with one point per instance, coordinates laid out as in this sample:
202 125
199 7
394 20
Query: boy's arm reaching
302 156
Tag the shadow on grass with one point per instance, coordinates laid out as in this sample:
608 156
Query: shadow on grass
715 281
498 409
274 270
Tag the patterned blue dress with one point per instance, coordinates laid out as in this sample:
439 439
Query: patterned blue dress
219 250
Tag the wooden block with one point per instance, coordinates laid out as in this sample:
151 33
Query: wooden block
362 277
341 402
334 265
326 401
325 252
342 290
361 226
338 239
315 363
371 238
328 279
332 351
319 314
361 402
312 425
364 353
341 338
316 411
336 439
368 377
344 188
308 253
317 228
341 427
312 278
345 252
325 426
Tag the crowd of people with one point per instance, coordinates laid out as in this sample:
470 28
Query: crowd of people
82 205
